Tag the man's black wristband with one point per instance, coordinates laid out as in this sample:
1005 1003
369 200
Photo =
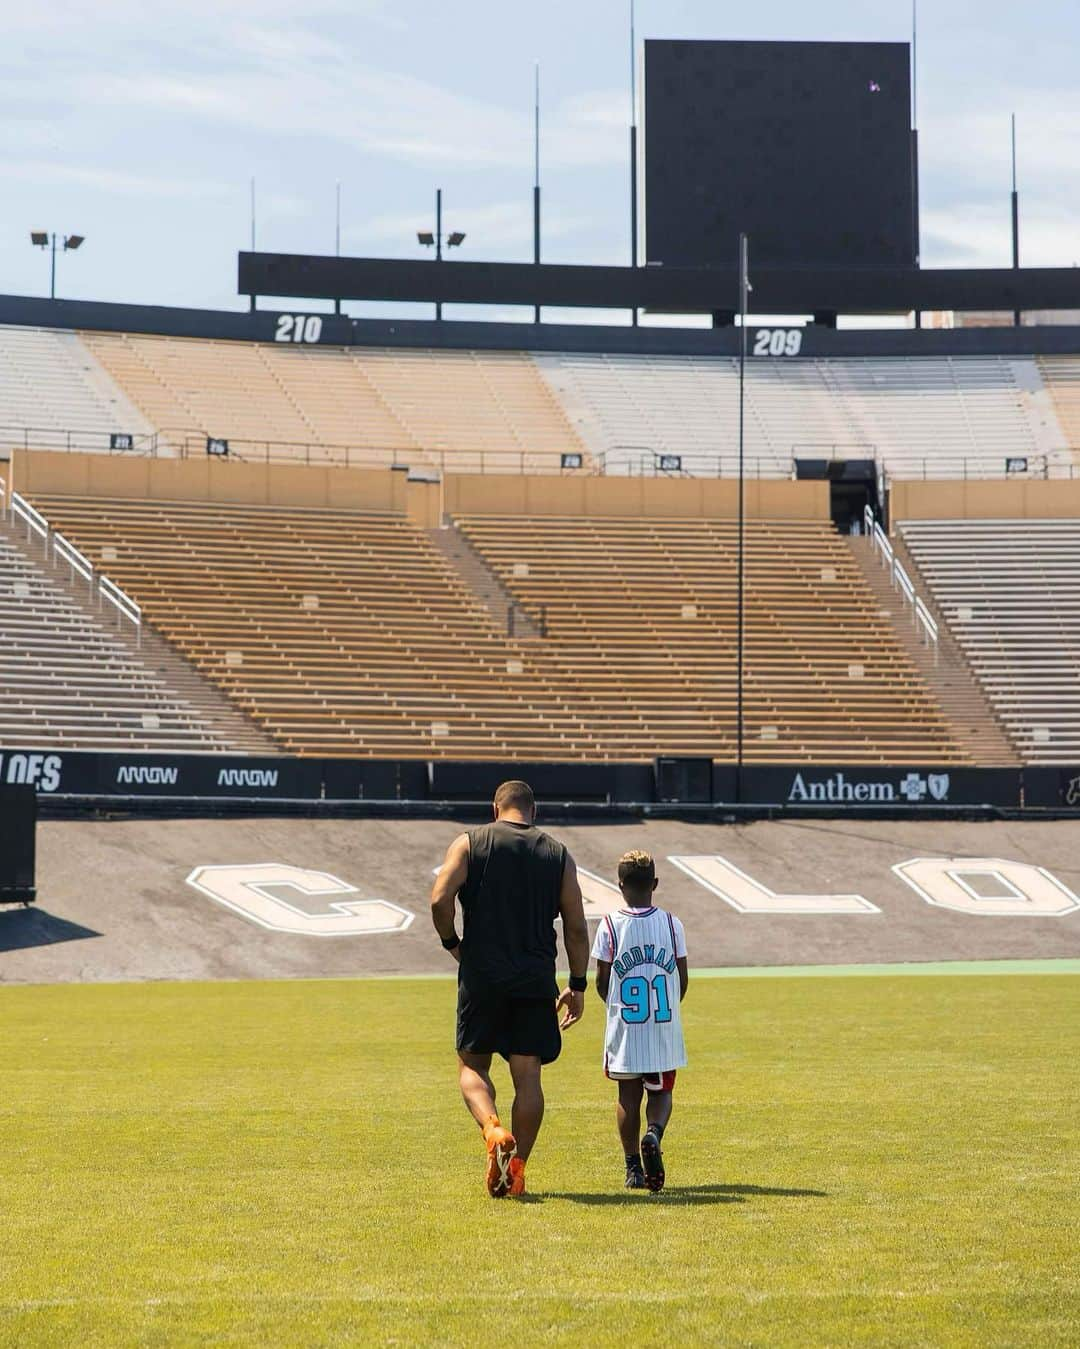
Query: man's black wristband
578 983
451 943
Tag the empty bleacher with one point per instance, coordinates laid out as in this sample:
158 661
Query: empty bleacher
948 417
339 633
425 408
51 388
640 618
69 680
1010 590
350 633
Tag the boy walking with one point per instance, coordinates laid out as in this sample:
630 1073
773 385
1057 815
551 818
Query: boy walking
641 974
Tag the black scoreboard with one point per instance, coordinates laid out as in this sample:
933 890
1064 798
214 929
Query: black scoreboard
806 147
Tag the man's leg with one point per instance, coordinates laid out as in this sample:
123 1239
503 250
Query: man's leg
628 1114
528 1101
478 1092
477 1088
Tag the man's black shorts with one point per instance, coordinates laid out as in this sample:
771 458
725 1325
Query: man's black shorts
492 1022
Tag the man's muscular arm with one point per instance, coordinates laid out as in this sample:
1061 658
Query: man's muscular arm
452 876
576 941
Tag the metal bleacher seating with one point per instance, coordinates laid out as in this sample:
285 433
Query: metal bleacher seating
641 636
947 417
350 633
69 680
454 409
337 632
51 387
1010 591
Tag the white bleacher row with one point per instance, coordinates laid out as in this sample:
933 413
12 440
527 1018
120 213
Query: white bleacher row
946 417
50 385
1010 591
68 681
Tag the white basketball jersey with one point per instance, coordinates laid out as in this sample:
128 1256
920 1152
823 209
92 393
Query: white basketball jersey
644 1025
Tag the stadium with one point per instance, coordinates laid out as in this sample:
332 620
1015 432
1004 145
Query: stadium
742 524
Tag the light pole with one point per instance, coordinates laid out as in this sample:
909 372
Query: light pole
42 239
744 293
453 240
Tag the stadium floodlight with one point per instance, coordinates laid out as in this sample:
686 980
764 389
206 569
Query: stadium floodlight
43 239
455 239
426 237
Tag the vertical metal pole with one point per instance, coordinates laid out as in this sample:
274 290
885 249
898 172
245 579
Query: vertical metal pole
633 154
438 242
1015 218
251 298
337 233
536 181
915 137
52 272
744 278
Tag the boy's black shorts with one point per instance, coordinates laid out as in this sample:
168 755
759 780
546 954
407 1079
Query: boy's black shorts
493 1022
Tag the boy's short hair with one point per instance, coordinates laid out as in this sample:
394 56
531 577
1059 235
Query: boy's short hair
636 869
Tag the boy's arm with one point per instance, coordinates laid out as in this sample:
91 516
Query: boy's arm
684 976
603 978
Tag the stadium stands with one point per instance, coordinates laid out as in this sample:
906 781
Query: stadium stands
332 404
1061 375
340 633
351 633
1010 590
51 386
68 679
946 417
641 623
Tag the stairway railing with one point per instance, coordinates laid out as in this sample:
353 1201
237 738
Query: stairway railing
920 614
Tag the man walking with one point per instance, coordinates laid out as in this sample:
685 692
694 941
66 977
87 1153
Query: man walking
512 881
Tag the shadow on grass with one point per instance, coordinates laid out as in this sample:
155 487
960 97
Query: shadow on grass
23 928
683 1194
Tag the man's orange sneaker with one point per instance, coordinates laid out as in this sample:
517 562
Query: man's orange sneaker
517 1177
501 1150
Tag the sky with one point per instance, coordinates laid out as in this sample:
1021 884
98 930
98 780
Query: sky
141 125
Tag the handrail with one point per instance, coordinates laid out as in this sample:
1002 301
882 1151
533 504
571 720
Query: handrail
64 551
123 603
926 618
3 499
35 521
77 562
920 614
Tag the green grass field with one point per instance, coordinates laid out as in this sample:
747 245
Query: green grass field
852 1161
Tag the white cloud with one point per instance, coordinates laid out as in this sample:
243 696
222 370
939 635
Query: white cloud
111 180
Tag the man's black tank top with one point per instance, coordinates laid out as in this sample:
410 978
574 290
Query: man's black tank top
510 901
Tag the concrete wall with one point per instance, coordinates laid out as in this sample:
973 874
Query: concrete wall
1035 499
51 473
717 498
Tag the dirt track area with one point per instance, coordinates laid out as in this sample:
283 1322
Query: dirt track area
115 901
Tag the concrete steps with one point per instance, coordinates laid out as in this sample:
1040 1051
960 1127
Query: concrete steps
948 675
478 577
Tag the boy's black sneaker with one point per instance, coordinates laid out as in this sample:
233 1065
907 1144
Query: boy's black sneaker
652 1161
635 1178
